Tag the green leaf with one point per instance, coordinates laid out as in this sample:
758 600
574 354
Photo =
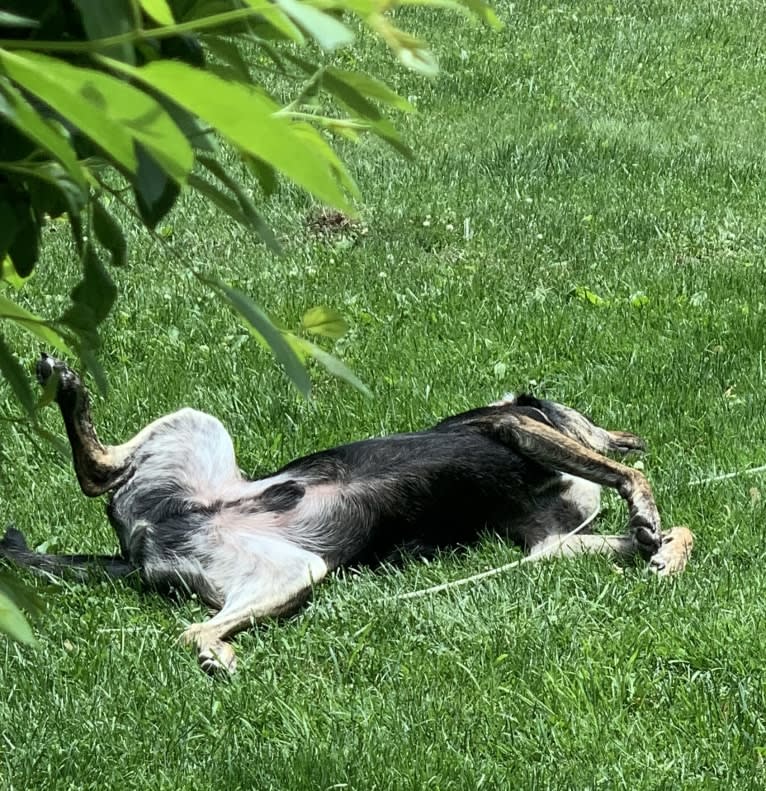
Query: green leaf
95 291
13 622
154 190
8 19
20 594
80 95
93 366
369 87
410 50
9 224
92 299
66 195
639 299
227 51
250 214
327 31
37 326
104 18
249 119
8 273
16 377
108 110
260 325
17 111
265 174
158 10
109 234
586 295
324 321
25 247
275 17
335 366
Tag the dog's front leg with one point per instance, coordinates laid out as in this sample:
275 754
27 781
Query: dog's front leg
552 449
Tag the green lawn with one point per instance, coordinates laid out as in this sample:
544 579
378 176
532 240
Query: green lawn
607 161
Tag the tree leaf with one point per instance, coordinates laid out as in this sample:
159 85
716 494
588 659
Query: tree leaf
335 366
92 299
16 377
109 233
39 328
324 321
78 95
227 51
66 195
249 119
108 110
410 50
25 247
17 111
104 18
370 87
20 594
277 19
9 224
8 273
7 19
327 31
13 622
259 324
252 215
154 190
265 174
158 10
250 219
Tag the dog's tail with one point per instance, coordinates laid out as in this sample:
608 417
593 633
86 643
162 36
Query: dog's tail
14 547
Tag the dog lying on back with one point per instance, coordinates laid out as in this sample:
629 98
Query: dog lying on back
526 469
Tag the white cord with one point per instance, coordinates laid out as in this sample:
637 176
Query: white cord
728 475
491 572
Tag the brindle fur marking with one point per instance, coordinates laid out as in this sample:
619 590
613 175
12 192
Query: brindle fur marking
186 518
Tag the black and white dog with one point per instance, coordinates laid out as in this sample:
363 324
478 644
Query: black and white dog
185 516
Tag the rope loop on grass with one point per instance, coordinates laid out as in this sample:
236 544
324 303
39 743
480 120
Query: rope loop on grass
490 572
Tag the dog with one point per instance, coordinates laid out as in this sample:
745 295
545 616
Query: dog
186 518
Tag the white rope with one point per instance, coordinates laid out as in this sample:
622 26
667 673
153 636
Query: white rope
728 475
491 572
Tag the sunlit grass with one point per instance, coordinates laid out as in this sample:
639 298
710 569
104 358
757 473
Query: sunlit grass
584 219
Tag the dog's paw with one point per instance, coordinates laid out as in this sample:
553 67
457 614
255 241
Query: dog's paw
215 656
647 532
674 553
622 442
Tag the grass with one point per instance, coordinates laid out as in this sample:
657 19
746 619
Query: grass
608 162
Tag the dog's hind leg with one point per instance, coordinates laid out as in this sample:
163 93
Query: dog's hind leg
670 558
276 583
99 467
